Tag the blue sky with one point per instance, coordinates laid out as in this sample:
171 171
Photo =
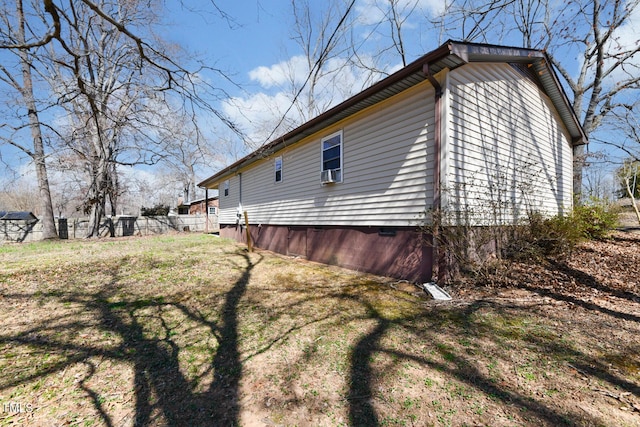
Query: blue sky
254 47
255 33
258 46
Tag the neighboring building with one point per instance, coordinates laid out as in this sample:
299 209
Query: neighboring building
197 207
24 216
15 226
465 127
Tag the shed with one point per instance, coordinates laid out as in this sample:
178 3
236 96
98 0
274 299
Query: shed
466 127
15 226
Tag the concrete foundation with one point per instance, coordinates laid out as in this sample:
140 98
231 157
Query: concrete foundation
396 252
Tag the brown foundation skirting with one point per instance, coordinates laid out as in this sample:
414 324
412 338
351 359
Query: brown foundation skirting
399 252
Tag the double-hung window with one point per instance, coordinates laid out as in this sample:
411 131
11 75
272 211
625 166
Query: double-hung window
225 187
278 169
332 156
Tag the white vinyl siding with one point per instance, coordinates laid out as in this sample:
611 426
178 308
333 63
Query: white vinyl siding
507 151
228 206
388 171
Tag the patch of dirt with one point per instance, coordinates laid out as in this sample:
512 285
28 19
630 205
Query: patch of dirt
604 272
592 299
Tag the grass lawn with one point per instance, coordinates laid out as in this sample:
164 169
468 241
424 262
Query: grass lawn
193 330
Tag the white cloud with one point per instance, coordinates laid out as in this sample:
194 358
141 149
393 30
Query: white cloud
629 33
260 114
435 7
627 37
281 73
372 12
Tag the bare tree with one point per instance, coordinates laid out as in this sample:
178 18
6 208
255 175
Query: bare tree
624 122
395 14
313 35
14 31
322 38
381 29
19 195
186 152
106 92
110 80
627 122
598 183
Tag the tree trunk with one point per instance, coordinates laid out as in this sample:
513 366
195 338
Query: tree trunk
114 190
630 192
578 166
97 196
38 155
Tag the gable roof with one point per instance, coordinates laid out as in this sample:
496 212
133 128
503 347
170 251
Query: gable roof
200 200
17 216
450 55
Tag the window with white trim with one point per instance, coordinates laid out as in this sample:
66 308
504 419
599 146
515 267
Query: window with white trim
278 169
225 188
332 155
212 210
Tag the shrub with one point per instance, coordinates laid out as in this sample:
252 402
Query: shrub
595 218
559 235
466 249
157 210
537 236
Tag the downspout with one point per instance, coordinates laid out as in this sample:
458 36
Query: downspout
437 202
240 189
437 138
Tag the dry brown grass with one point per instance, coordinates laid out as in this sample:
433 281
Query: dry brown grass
193 330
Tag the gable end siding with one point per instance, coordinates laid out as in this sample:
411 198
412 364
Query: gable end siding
507 149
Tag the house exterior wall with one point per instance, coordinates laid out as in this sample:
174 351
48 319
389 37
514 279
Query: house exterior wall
228 205
505 150
198 208
387 172
368 221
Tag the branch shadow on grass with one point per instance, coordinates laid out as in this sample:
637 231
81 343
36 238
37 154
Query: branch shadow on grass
162 392
165 394
364 375
159 380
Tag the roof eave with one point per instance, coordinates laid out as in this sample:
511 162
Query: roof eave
545 72
324 119
450 55
569 116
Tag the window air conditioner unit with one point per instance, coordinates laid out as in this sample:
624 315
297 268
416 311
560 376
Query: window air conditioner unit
329 176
